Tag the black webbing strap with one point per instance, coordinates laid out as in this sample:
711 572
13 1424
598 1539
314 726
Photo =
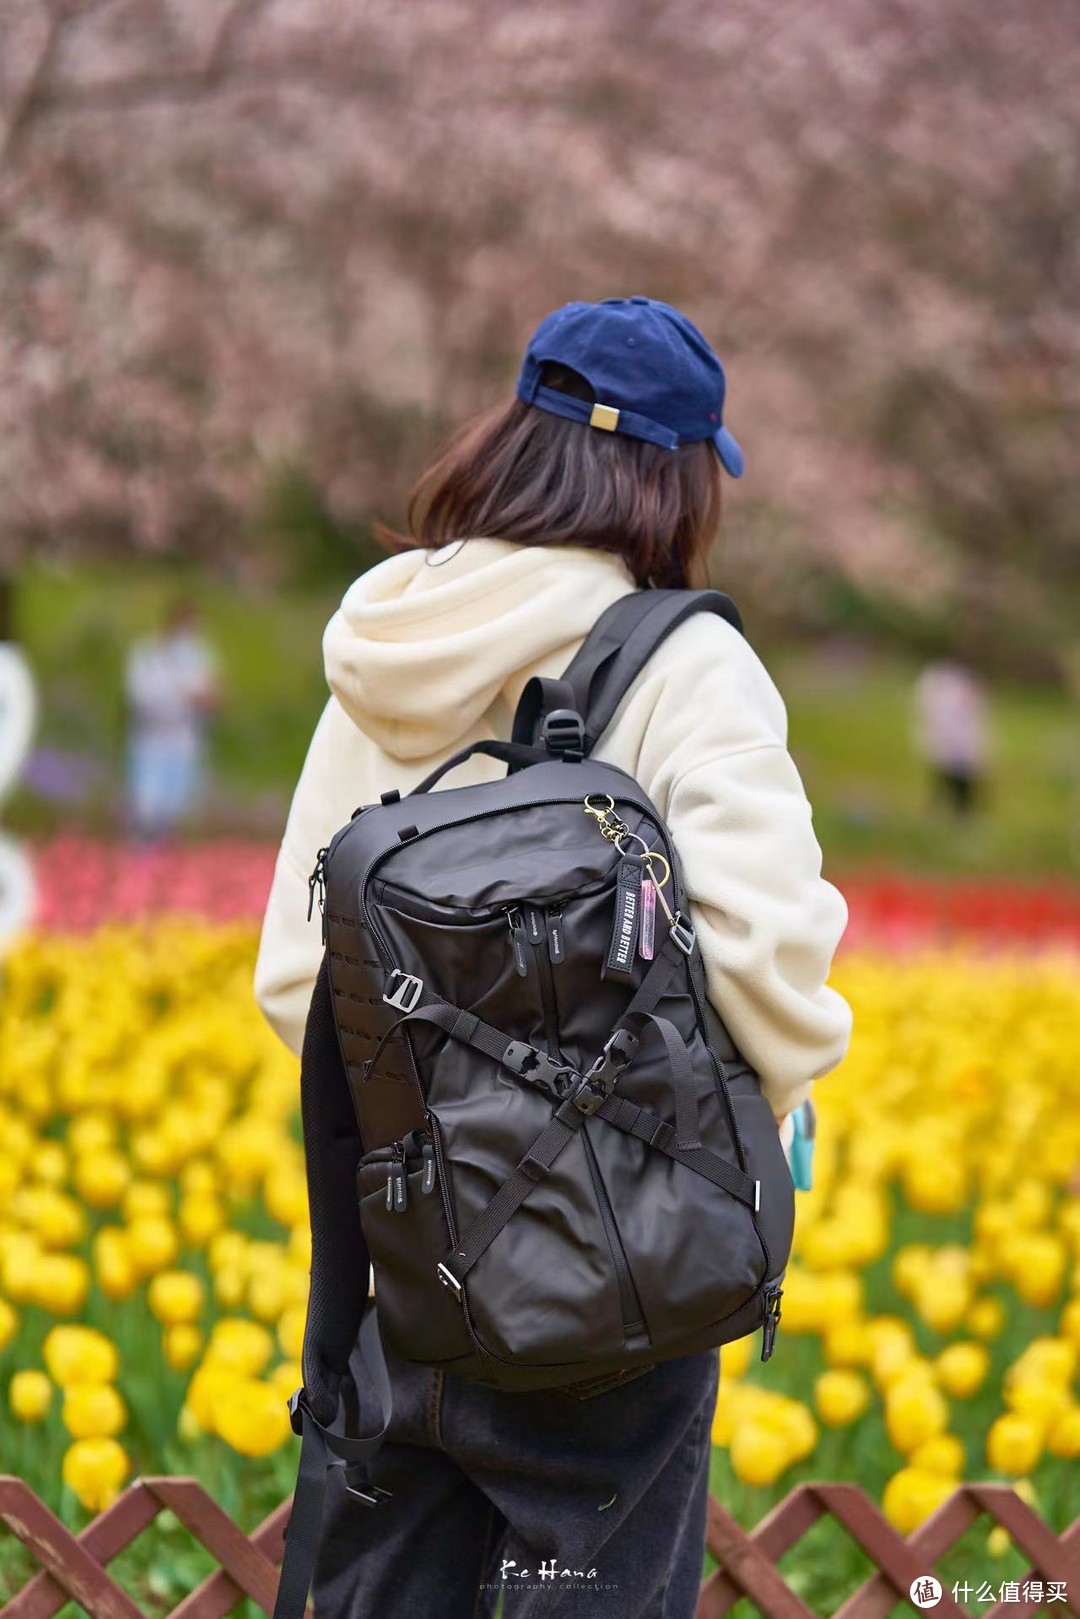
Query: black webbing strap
687 1118
656 1132
610 659
563 1126
623 640
452 1020
324 1447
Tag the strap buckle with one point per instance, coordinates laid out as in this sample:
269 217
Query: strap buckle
563 734
538 1068
448 1279
296 1407
600 1081
683 935
407 993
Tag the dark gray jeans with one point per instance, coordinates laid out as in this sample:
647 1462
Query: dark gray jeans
496 1490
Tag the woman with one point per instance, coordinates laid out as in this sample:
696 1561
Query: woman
603 476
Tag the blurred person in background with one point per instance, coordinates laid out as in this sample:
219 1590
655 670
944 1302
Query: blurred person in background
533 523
172 688
952 733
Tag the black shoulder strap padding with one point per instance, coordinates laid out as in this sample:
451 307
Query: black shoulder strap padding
345 1372
339 1259
623 640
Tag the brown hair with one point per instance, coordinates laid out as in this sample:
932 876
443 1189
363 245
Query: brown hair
521 473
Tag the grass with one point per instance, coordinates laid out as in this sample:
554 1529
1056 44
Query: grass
849 717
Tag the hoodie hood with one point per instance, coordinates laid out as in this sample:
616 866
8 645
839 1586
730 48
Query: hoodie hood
419 649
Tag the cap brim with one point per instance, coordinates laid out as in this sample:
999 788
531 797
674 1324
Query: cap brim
731 456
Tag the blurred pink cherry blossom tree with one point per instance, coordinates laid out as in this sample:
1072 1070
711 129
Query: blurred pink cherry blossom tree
271 239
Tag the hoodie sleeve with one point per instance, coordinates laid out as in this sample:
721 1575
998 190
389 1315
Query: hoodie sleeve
712 732
290 946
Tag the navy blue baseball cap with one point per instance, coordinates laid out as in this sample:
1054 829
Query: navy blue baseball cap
653 374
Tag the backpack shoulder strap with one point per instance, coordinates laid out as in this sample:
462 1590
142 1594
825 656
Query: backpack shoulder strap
344 1366
608 662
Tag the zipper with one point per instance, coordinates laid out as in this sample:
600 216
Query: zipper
770 1295
517 940
556 946
396 1156
536 931
396 1184
318 880
539 930
629 1303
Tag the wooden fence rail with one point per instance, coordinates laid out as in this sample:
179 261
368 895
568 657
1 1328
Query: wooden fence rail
74 1567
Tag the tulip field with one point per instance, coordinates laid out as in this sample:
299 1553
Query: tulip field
154 1244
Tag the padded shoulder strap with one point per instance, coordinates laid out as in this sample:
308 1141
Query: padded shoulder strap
344 1368
619 646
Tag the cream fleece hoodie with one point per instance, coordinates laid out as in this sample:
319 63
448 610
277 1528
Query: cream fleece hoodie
423 659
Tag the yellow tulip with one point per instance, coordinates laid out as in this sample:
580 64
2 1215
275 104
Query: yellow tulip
201 1217
253 1418
211 1384
146 1198
962 1369
90 1133
61 1283
114 1270
986 1318
102 1177
944 1454
152 1243
1013 1444
840 1397
175 1296
182 1344
30 1395
934 1184
245 1346
78 1354
943 1301
758 1453
914 1412
1070 1321
50 1163
9 1322
94 1470
1054 1359
93 1411
912 1495
848 1343
1038 1267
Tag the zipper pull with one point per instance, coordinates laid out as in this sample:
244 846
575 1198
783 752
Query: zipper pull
771 1321
534 925
556 948
318 880
396 1194
428 1154
517 936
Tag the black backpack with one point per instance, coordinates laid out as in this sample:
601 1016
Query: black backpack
517 1100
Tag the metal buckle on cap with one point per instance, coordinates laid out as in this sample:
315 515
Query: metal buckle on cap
408 992
605 416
